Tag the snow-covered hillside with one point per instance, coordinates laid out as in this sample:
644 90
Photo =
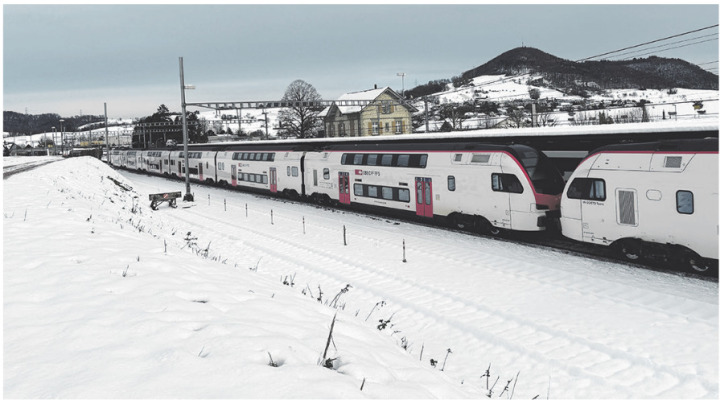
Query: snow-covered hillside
104 297
620 104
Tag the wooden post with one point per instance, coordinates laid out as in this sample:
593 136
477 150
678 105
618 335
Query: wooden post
404 259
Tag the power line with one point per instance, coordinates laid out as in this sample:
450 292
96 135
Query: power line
646 43
672 48
669 44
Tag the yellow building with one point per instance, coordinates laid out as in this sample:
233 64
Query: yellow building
380 112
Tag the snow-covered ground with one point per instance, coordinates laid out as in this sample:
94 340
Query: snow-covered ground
104 297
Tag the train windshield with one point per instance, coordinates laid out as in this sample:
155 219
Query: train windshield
545 176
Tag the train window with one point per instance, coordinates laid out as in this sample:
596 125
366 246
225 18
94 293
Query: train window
372 159
685 203
326 173
451 183
294 171
403 160
458 158
587 189
387 193
404 195
358 189
506 183
372 191
343 159
358 159
386 160
423 160
288 170
271 157
264 179
480 158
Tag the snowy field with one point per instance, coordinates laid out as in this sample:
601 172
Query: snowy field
104 297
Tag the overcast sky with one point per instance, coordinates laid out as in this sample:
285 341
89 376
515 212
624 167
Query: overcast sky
70 59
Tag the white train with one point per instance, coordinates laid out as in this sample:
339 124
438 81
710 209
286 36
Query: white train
649 199
473 186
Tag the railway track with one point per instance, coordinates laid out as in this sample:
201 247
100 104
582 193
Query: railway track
10 170
554 241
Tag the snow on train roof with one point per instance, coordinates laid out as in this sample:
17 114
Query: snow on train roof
630 128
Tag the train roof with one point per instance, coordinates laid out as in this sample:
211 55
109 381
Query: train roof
677 145
584 137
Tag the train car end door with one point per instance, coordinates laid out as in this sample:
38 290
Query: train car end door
233 174
273 180
344 187
423 197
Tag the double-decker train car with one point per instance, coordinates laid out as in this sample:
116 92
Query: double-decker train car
155 161
472 186
656 199
201 165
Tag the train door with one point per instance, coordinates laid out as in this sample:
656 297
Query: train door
423 197
344 187
180 168
233 174
273 180
200 170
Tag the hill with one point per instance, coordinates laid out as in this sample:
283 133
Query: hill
642 73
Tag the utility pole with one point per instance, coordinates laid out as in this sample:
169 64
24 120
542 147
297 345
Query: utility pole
107 144
239 117
427 123
266 125
188 195
62 138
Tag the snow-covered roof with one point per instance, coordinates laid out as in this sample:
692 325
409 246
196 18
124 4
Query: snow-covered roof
365 95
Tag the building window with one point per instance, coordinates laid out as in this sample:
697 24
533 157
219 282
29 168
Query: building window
387 127
685 203
398 127
375 128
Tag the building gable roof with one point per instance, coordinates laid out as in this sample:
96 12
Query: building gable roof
365 95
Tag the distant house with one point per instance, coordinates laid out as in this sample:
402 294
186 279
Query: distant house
379 112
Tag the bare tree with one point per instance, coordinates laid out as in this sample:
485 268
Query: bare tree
516 118
300 121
